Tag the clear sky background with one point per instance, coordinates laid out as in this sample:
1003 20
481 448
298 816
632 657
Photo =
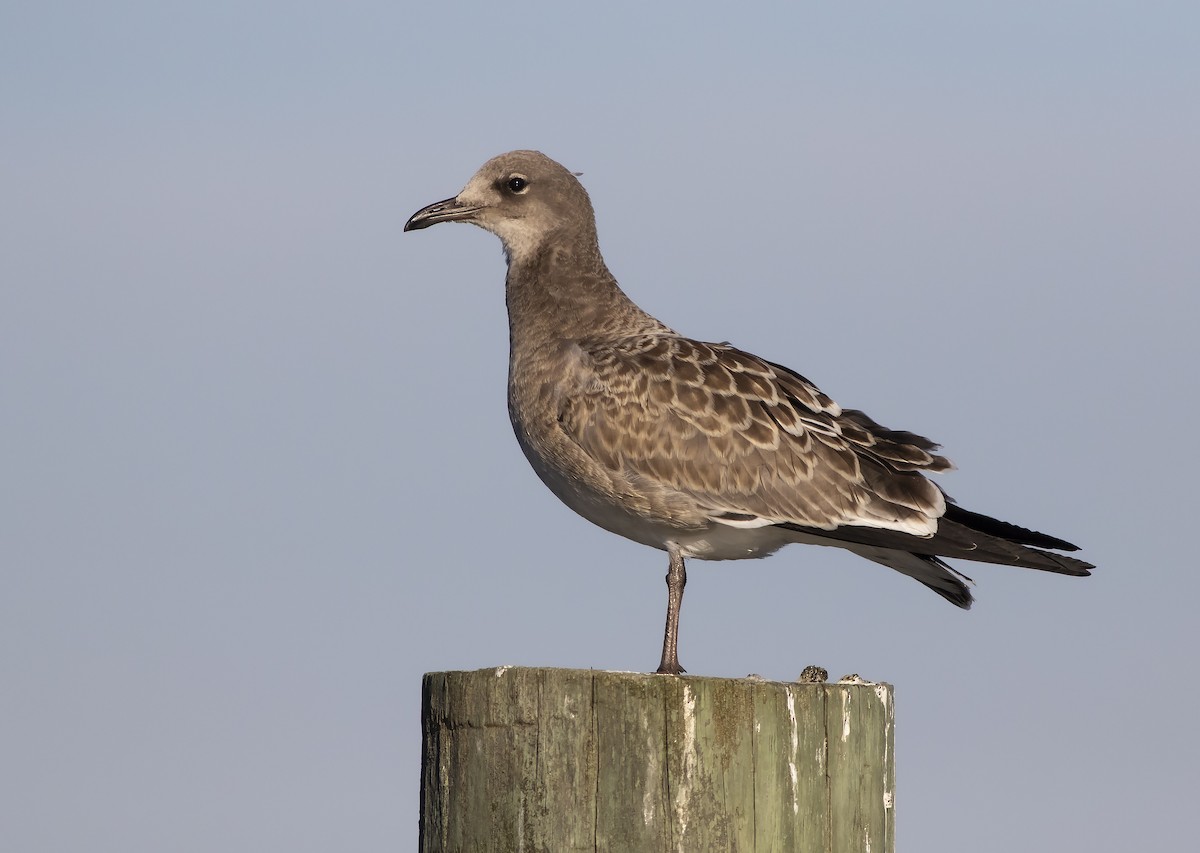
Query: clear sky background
256 471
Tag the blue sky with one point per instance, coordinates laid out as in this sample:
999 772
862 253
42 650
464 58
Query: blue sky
258 474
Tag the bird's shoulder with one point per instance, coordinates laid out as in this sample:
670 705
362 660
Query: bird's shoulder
695 373
719 389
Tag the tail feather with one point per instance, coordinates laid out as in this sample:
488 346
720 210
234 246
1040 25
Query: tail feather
962 535
936 574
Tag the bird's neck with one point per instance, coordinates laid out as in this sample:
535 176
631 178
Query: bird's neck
558 295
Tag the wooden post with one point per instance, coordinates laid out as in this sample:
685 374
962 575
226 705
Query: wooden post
559 760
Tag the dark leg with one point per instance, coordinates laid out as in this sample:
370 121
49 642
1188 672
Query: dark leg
676 581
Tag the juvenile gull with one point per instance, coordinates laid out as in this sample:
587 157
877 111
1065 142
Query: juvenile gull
700 449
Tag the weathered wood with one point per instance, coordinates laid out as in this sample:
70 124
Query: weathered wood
518 760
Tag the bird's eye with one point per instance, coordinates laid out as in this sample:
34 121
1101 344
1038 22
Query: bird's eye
517 184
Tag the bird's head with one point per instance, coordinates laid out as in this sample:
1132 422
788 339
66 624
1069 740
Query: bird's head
523 197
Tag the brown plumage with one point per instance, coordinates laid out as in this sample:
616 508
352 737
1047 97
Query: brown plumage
739 435
700 449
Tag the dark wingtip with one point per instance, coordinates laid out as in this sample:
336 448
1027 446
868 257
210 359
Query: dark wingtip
1005 530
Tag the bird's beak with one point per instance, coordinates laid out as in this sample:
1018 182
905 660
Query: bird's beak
450 210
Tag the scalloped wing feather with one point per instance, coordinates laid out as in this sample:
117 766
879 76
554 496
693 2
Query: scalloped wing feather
747 441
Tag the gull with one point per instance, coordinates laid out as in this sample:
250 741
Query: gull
700 449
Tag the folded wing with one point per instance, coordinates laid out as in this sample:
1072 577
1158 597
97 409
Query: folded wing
753 443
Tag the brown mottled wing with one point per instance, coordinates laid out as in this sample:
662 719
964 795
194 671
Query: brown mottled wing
746 441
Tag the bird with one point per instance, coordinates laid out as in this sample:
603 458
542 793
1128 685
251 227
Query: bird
700 449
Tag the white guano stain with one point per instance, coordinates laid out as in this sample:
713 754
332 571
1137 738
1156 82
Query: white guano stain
845 715
866 839
648 806
884 694
500 670
683 793
795 737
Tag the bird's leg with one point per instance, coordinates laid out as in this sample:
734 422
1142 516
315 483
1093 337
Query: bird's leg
676 581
